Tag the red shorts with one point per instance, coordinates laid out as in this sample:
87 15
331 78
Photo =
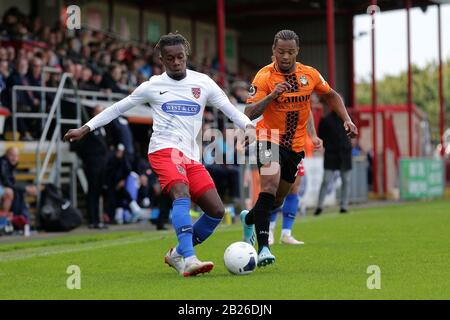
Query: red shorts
172 166
301 169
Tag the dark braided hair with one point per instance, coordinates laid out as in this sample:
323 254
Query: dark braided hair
286 35
173 39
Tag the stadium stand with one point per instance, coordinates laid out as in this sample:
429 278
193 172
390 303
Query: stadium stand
99 69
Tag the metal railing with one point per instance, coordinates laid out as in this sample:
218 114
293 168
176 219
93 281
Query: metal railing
54 115
46 70
43 115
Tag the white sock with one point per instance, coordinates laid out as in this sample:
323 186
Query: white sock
285 232
135 207
190 259
119 215
272 226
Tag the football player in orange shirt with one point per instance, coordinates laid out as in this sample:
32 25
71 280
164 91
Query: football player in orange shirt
281 94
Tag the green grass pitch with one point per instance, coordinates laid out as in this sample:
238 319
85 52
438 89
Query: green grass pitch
410 243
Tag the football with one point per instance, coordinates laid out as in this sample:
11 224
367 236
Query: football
240 258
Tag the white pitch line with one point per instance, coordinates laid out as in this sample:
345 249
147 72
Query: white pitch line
49 251
80 247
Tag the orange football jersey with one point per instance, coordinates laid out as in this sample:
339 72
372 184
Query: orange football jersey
288 113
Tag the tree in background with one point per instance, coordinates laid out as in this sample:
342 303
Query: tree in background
393 90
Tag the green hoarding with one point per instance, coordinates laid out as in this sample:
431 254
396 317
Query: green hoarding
421 178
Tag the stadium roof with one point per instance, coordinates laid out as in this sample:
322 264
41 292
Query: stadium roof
244 11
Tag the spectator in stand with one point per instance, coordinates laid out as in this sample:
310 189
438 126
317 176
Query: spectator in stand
8 164
97 78
34 74
26 101
120 133
86 79
4 74
119 198
11 54
239 90
3 54
111 79
6 200
150 194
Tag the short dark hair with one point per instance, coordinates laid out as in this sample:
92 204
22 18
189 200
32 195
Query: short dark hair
286 35
173 39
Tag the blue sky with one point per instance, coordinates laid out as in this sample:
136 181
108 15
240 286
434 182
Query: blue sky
391 40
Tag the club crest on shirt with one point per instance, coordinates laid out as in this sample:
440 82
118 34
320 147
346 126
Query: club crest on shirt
196 92
181 169
303 81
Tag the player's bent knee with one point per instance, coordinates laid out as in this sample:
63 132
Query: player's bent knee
218 212
270 188
179 190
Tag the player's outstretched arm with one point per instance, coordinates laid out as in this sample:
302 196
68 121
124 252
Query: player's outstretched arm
334 100
109 114
256 109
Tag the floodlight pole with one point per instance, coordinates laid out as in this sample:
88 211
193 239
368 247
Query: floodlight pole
374 107
441 88
330 43
352 62
221 40
410 86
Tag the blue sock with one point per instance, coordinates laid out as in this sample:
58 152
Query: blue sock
290 208
273 215
203 228
182 223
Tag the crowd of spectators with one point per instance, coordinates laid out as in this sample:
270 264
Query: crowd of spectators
98 62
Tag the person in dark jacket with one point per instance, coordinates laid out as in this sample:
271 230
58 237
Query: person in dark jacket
93 151
338 157
118 170
120 132
150 187
8 164
26 100
110 81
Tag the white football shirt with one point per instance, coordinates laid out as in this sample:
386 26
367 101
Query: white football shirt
177 108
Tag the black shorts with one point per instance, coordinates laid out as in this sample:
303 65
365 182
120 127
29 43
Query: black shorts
289 160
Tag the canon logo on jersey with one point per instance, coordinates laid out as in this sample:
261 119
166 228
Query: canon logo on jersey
293 99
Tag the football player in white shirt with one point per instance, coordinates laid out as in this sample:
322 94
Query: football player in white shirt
178 98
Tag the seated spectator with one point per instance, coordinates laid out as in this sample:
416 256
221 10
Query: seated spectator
4 74
86 80
150 194
8 164
34 74
119 199
111 79
26 101
6 199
